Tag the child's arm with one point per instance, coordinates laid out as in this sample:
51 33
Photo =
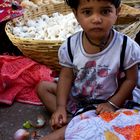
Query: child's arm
124 92
127 87
59 117
64 85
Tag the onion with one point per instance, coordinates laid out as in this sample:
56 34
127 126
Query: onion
21 134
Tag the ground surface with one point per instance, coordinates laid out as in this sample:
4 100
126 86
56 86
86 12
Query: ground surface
13 117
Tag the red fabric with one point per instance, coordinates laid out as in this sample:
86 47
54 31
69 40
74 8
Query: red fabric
7 11
18 79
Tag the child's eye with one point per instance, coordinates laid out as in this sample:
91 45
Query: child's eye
87 12
106 12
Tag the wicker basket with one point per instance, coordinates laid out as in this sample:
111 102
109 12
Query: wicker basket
131 2
132 29
128 14
43 51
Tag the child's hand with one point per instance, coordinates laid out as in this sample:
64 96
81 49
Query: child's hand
104 107
59 117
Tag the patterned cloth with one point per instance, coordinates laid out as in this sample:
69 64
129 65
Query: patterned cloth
121 125
9 9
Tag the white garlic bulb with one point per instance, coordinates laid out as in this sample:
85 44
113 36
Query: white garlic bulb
56 27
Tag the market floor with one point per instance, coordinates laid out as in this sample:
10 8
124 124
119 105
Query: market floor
12 118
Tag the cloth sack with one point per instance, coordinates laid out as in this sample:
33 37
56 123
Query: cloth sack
19 76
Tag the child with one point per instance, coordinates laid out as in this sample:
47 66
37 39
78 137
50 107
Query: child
90 62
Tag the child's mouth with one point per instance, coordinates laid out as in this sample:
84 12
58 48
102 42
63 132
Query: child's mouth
97 29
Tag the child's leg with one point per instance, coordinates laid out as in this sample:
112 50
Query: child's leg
47 93
56 135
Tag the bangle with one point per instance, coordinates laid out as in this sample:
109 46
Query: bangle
111 103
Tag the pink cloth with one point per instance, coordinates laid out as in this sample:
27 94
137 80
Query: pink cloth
10 9
18 79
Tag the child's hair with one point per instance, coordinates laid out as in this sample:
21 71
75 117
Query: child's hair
75 3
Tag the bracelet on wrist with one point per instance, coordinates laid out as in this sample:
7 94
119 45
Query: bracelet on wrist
111 103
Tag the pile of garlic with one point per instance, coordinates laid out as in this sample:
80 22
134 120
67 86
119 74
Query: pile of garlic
30 4
56 27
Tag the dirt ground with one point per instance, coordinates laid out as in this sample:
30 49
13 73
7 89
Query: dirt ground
12 118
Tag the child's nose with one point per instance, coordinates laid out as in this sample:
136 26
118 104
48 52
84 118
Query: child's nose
96 18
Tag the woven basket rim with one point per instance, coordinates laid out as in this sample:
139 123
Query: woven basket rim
132 29
125 10
131 2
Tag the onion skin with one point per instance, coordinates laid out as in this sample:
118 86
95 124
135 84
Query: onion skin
39 123
21 134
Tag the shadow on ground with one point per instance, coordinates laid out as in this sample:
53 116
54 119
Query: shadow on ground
12 118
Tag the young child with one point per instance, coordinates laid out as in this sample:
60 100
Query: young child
90 70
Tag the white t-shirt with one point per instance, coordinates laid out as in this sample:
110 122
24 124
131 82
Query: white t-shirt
96 74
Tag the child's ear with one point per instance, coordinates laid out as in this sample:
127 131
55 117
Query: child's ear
118 10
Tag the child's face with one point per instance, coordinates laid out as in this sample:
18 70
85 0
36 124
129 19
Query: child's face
96 17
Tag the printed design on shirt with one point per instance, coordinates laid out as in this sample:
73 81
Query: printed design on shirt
103 71
87 83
